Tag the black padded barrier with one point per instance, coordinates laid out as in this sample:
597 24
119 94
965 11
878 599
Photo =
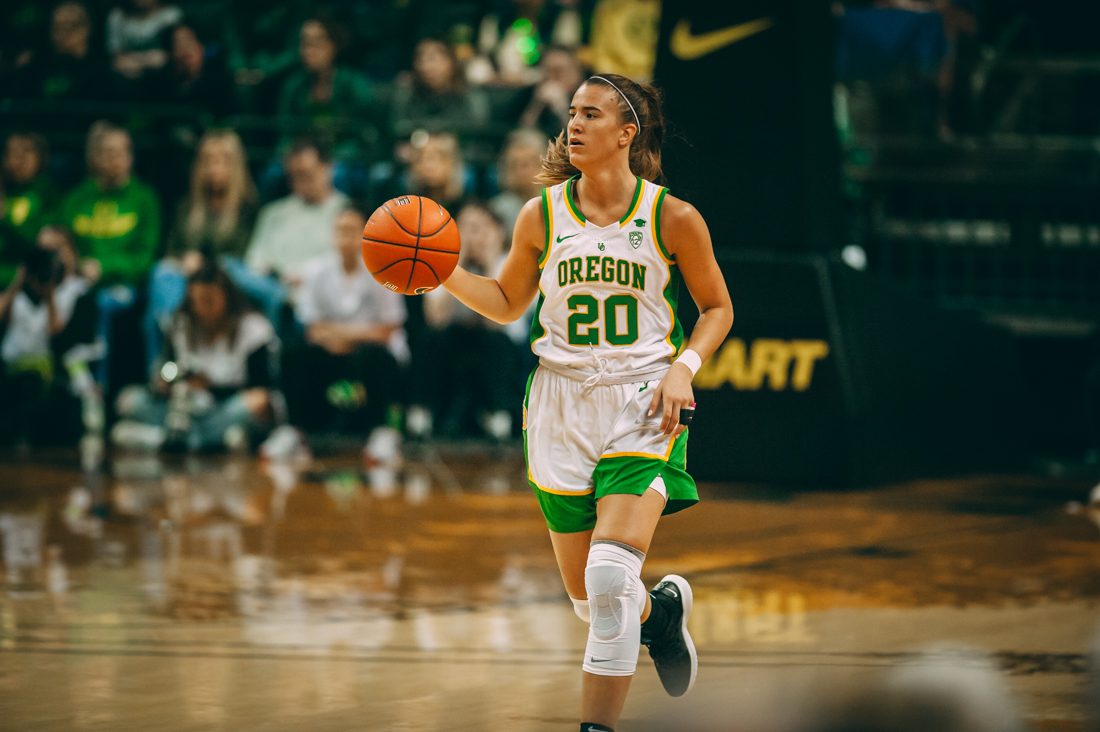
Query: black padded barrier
833 377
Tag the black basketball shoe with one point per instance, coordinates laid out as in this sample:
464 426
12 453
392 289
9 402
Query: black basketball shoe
672 650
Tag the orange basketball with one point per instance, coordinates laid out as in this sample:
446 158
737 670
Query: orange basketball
410 245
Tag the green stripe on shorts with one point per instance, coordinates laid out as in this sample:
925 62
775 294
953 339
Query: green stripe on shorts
569 514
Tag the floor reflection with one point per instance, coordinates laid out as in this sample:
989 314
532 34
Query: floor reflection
357 573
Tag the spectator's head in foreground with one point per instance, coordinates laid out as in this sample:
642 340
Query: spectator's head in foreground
26 154
70 30
521 163
308 166
213 307
348 237
109 155
435 68
945 690
483 237
437 168
220 181
320 43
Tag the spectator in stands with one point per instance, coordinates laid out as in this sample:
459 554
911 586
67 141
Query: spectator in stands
434 96
519 163
72 68
197 75
321 88
214 221
472 372
81 326
212 386
546 105
345 376
35 309
514 39
116 220
437 170
27 198
294 229
116 217
137 36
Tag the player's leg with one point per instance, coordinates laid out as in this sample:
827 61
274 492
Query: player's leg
618 601
571 551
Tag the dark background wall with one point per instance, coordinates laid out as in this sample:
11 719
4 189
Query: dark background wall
752 142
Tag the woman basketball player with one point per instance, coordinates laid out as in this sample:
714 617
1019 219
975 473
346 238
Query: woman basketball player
605 249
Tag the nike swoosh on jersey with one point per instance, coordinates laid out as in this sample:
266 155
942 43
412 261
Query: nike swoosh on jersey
601 660
563 238
687 47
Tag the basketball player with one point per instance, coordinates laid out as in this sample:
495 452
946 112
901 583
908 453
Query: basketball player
605 248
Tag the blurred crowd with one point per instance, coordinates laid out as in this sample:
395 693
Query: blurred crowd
183 190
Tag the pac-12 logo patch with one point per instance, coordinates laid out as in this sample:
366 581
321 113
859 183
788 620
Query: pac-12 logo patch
600 246
635 239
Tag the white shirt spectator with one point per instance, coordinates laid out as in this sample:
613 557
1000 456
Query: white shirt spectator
289 232
329 294
28 334
225 361
129 33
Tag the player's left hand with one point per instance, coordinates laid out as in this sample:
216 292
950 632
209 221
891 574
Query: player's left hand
673 394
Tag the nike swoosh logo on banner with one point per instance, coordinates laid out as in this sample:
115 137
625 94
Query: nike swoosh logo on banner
563 238
687 47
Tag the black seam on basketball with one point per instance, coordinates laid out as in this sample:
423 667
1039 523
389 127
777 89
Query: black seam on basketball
441 228
410 246
438 282
419 221
410 233
399 261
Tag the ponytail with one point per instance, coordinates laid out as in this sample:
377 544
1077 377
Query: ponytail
645 148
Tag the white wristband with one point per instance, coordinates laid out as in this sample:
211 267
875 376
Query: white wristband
691 359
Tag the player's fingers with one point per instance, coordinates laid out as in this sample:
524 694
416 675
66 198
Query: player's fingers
654 402
669 422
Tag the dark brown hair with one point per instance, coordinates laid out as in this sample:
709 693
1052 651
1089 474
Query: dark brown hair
458 77
236 306
645 148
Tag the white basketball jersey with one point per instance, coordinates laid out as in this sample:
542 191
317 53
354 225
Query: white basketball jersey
607 295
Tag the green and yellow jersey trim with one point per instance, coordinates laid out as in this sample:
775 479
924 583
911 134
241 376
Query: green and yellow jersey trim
575 212
635 204
547 214
675 337
570 203
658 202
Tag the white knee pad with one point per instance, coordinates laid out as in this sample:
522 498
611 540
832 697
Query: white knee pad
616 598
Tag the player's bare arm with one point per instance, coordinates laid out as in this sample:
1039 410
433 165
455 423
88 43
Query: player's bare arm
687 239
506 298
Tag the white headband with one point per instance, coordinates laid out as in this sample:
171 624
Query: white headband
636 120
